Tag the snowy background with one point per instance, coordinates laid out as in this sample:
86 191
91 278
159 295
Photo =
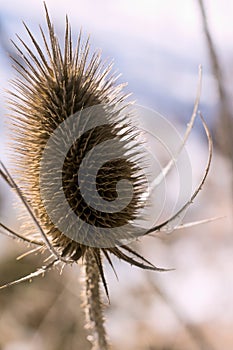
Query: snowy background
157 46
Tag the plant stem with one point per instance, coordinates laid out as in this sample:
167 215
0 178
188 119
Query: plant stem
92 304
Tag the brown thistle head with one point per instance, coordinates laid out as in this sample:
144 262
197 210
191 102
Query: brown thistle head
53 86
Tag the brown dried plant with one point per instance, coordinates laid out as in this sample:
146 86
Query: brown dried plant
52 86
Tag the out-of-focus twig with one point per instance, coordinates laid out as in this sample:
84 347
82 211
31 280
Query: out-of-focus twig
225 125
194 331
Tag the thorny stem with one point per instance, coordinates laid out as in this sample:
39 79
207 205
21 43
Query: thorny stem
92 304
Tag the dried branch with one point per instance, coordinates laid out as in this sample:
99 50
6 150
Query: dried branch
37 273
189 128
224 129
8 178
197 190
194 331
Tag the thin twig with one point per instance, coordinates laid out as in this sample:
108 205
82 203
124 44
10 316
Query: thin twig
193 330
10 233
8 178
189 224
189 128
225 126
197 190
29 277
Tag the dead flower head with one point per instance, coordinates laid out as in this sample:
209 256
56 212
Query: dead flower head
57 93
51 87
54 84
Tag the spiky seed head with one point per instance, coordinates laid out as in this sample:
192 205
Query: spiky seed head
51 87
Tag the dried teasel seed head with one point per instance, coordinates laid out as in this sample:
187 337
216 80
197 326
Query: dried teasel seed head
50 88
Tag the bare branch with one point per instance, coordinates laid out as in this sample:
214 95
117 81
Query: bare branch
8 178
10 233
191 224
39 272
187 204
195 332
190 124
224 129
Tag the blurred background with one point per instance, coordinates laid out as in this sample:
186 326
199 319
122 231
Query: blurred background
157 46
